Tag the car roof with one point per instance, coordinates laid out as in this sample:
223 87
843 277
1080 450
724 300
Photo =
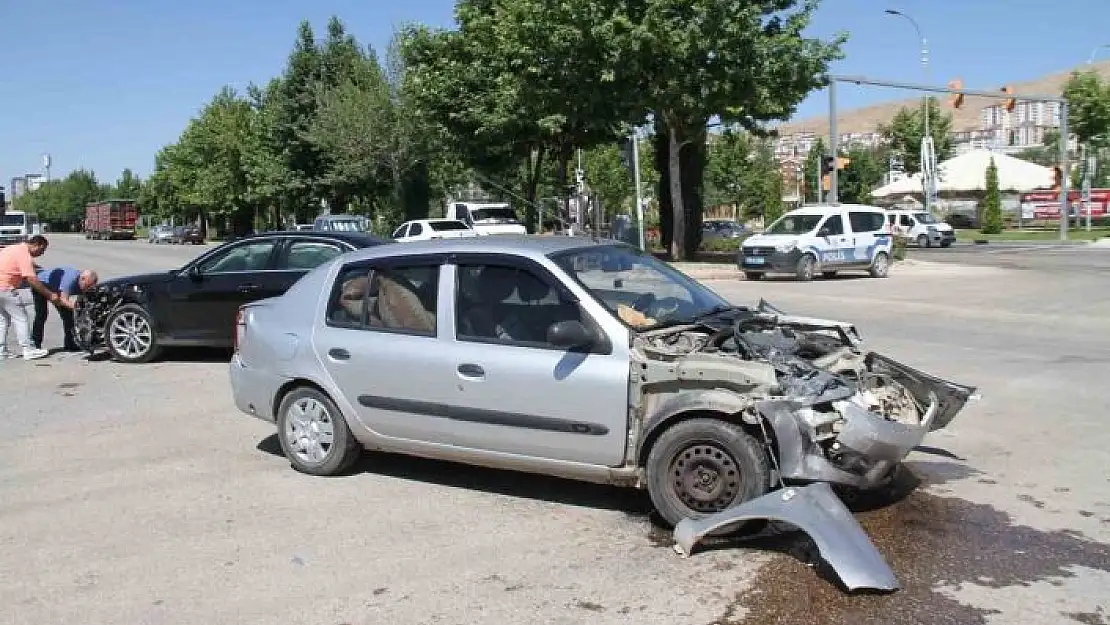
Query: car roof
358 239
527 245
821 209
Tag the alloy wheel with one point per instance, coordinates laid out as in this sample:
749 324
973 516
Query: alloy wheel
130 335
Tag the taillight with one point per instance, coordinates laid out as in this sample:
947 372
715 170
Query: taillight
240 327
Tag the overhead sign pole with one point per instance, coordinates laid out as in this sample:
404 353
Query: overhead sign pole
994 95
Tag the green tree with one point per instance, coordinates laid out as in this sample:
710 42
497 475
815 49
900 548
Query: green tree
905 131
128 186
862 175
992 203
1088 99
746 61
811 169
741 170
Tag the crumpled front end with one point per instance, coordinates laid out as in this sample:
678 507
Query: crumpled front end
91 314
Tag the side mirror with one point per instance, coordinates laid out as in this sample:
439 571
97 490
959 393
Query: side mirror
569 334
194 273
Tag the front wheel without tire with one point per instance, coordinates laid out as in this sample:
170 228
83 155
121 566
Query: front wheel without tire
702 466
314 436
129 335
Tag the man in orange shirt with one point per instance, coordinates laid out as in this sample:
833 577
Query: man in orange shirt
17 266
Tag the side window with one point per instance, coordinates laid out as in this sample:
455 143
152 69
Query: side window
400 299
254 256
400 232
347 306
834 225
507 304
865 221
906 221
416 229
309 254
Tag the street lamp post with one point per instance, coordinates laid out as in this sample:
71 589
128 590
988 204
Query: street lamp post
927 140
1094 53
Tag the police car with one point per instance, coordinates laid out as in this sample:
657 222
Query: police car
822 239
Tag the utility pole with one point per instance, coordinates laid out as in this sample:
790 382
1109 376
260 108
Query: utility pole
636 179
833 145
1065 213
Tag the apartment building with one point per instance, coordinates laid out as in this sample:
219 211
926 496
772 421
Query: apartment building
1013 131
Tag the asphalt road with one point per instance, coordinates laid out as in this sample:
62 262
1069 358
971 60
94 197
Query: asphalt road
1036 256
138 494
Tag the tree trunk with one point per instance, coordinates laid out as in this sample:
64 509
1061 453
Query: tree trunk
535 166
561 181
677 248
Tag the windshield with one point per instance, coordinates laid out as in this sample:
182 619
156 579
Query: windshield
925 218
500 214
440 226
637 288
13 220
794 224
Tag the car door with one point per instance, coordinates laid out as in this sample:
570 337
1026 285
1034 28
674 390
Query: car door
205 298
868 227
513 392
380 345
835 240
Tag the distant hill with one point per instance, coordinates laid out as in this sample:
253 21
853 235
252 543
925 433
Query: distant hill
868 118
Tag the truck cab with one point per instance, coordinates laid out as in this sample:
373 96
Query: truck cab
487 217
16 226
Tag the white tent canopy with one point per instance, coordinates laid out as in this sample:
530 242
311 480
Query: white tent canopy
967 173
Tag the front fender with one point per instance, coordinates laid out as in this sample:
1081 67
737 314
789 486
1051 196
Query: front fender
701 400
950 397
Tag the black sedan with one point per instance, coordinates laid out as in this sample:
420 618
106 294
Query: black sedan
134 317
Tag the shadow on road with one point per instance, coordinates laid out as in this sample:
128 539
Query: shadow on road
502 482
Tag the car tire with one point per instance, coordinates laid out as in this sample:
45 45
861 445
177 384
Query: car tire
807 266
753 275
923 241
301 439
946 244
130 335
702 449
880 267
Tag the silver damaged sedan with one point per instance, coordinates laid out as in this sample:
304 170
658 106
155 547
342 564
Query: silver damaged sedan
593 361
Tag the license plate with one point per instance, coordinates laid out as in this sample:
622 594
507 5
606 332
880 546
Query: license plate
754 260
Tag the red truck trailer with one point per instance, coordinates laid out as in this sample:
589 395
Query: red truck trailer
111 219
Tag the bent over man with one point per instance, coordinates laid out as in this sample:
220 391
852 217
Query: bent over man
65 282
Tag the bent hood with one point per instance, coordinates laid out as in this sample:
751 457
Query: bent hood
139 279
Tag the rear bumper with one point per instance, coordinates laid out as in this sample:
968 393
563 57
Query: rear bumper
252 390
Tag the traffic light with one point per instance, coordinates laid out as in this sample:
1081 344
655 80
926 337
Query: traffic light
627 146
956 100
826 164
1009 103
3 200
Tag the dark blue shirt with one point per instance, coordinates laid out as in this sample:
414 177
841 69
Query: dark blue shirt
64 280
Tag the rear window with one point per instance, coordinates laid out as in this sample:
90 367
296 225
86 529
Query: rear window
866 221
440 226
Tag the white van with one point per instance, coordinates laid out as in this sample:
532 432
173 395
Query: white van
921 228
820 238
487 217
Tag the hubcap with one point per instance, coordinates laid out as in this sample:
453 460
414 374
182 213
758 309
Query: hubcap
309 430
705 478
130 334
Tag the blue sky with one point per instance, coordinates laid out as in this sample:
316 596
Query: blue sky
103 84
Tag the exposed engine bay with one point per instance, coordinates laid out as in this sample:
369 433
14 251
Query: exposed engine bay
836 413
91 312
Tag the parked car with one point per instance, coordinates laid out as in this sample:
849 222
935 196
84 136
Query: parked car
188 234
820 238
134 317
712 229
160 234
581 358
427 229
921 228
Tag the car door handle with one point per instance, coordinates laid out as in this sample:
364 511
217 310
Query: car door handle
247 288
338 353
471 371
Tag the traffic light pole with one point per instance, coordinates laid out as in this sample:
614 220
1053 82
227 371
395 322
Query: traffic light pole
994 95
834 197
